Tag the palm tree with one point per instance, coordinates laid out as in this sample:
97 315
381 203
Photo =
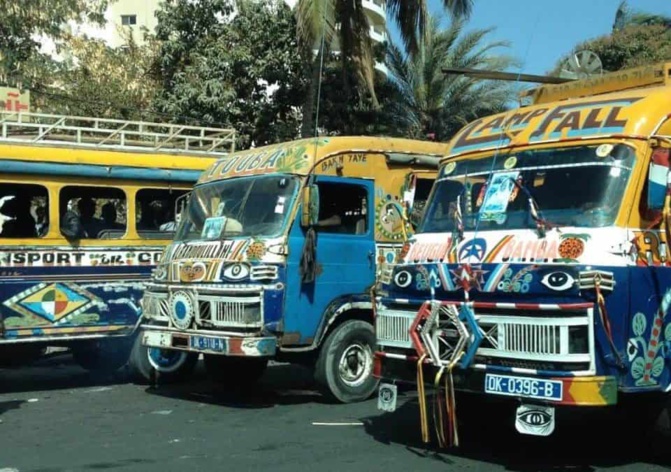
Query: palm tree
625 17
320 21
427 101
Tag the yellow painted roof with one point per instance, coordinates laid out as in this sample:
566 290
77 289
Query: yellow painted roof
300 156
568 112
44 153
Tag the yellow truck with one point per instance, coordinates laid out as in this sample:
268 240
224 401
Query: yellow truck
540 273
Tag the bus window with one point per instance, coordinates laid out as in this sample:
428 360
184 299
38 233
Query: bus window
92 212
155 212
24 211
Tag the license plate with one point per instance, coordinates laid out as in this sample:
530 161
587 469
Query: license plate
152 339
386 399
203 343
523 387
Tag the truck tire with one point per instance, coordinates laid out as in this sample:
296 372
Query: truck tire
105 356
344 369
235 373
163 366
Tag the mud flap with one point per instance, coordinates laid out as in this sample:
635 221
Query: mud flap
535 420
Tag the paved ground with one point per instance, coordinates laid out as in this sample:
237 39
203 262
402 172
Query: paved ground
55 417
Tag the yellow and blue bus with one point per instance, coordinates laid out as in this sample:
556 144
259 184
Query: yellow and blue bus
87 206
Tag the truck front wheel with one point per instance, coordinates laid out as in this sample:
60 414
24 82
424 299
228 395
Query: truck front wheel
344 369
171 366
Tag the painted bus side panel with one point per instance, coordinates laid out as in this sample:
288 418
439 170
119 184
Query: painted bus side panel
47 295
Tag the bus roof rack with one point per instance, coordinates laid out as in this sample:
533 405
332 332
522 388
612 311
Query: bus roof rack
117 135
558 88
646 76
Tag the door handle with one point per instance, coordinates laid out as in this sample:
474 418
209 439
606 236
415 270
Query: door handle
371 257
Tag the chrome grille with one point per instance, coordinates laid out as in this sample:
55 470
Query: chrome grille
392 328
155 306
232 311
533 338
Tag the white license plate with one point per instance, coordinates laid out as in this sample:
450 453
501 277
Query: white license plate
203 343
523 387
387 396
153 339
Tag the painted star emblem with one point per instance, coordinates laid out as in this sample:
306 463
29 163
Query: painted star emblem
467 277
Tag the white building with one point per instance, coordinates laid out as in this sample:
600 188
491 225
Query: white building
136 14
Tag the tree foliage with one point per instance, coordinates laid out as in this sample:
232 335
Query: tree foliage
323 23
637 38
25 21
100 81
242 69
428 102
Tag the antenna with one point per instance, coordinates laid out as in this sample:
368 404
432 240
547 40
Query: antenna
581 65
508 76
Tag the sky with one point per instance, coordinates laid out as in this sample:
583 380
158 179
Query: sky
540 32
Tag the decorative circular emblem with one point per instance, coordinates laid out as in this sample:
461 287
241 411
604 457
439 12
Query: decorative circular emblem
449 168
510 162
181 309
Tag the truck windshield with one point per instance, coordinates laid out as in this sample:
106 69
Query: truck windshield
576 186
248 206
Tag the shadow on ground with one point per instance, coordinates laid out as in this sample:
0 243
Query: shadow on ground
281 384
55 372
487 434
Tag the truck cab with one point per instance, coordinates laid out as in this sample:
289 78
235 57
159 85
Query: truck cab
540 272
276 254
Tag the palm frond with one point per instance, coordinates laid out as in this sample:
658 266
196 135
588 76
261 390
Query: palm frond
316 19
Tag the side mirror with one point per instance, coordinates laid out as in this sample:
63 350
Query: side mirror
180 205
309 206
409 193
658 178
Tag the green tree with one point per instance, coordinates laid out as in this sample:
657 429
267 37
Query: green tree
97 80
243 70
428 102
231 64
25 21
320 22
637 38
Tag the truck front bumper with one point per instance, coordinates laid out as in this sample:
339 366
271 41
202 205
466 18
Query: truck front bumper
208 342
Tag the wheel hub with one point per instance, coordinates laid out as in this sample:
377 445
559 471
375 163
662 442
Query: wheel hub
355 364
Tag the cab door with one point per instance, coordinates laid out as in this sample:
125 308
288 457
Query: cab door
345 257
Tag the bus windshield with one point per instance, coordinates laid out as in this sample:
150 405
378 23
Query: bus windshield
576 186
256 206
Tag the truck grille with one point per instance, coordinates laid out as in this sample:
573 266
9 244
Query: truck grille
564 340
239 310
392 328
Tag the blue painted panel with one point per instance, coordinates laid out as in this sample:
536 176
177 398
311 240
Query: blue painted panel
547 284
346 268
54 300
100 172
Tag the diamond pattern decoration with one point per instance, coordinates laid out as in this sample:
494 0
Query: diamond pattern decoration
53 302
